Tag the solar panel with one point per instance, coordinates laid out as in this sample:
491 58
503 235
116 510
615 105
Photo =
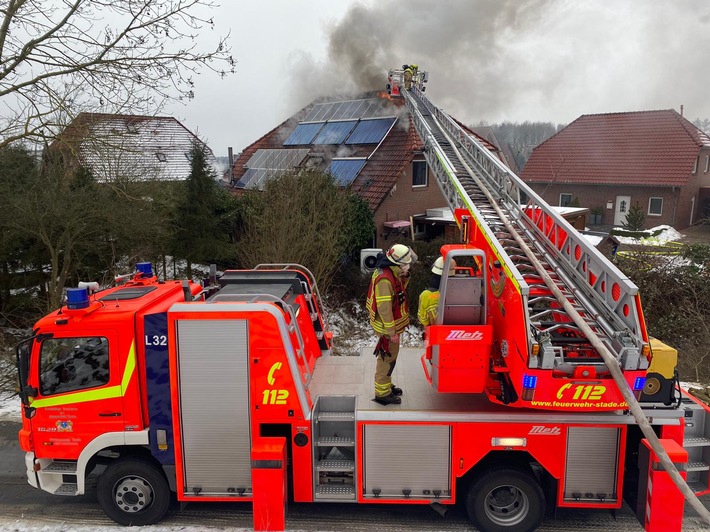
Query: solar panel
370 131
276 159
267 163
334 132
345 170
348 110
303 134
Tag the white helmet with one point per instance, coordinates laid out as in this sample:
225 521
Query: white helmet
401 254
438 268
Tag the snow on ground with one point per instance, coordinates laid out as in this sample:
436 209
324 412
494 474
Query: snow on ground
667 234
10 408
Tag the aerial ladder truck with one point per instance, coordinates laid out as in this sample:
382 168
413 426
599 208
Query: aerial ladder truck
230 392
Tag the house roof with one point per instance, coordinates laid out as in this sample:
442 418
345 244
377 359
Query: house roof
384 157
650 148
131 146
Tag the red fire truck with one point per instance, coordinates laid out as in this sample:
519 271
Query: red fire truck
230 392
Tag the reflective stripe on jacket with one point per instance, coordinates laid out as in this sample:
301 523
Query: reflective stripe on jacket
387 302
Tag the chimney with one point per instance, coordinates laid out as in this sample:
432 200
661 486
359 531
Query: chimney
681 109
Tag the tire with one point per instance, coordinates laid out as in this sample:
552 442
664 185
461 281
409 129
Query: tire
506 500
133 492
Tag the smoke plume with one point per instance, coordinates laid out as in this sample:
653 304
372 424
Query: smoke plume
550 60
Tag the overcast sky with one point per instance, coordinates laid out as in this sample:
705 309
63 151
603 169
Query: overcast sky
493 60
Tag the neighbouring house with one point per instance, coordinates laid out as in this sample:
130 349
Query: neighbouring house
369 144
611 162
129 147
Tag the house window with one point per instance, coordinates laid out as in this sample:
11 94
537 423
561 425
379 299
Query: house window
161 157
419 174
695 165
565 200
707 163
655 206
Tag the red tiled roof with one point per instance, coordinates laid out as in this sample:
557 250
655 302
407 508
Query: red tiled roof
381 171
635 148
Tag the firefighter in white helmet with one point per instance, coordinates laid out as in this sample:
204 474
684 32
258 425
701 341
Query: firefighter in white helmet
388 308
429 298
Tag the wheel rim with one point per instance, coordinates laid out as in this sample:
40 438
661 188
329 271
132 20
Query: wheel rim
506 505
133 494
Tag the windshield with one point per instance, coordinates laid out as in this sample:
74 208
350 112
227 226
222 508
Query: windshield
69 364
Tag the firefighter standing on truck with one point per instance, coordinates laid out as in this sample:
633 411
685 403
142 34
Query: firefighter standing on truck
429 298
388 308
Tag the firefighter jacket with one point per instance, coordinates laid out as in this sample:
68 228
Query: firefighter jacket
387 301
428 303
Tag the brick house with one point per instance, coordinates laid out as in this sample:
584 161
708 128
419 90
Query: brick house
609 162
129 147
369 144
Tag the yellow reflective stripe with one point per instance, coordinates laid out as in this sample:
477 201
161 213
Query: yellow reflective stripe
130 368
94 395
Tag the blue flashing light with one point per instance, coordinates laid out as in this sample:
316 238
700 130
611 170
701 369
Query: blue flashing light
77 298
529 381
146 268
639 383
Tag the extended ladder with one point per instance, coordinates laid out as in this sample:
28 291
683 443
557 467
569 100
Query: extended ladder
472 178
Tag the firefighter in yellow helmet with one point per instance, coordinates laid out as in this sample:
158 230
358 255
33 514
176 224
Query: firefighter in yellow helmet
388 309
415 73
429 298
408 75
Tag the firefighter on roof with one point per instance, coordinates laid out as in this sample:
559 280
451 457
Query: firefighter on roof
408 75
389 315
429 298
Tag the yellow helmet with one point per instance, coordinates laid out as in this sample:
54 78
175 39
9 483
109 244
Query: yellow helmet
415 67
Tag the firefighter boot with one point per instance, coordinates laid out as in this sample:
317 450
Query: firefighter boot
396 391
390 399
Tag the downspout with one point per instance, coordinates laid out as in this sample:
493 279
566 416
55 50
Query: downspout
675 205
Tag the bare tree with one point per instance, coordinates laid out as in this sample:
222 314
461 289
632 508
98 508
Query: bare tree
302 218
60 57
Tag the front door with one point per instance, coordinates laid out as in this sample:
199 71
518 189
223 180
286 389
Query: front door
79 386
622 209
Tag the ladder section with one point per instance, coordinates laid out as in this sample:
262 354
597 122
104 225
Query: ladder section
334 448
697 442
473 179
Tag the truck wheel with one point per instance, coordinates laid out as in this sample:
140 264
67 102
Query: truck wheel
509 500
133 492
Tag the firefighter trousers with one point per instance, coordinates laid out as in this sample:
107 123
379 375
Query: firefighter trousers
383 370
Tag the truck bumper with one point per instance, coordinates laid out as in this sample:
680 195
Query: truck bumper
30 466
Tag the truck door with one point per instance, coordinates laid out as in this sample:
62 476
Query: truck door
79 392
